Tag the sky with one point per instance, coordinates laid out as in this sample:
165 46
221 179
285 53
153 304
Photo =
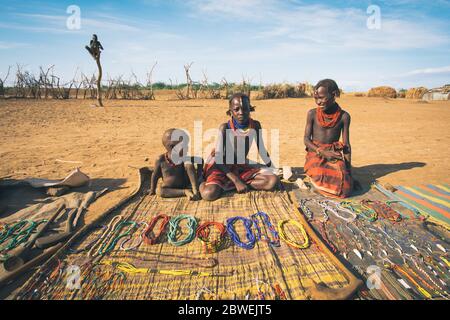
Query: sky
360 44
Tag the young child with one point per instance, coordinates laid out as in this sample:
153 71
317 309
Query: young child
179 177
328 161
228 167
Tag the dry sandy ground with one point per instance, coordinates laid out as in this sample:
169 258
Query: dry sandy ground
394 140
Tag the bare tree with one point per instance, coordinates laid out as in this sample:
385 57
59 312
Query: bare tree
44 81
3 81
178 91
226 87
30 84
151 94
19 83
187 67
66 88
203 89
111 90
135 87
207 90
88 86
77 88
95 48
119 87
76 84
246 86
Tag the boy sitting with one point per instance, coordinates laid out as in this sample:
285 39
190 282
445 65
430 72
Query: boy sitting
179 177
328 161
228 167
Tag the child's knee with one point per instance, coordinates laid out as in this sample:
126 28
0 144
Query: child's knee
271 182
210 194
188 165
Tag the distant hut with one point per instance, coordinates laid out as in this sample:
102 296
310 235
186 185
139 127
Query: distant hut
442 93
383 91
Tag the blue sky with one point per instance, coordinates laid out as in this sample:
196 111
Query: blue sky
264 40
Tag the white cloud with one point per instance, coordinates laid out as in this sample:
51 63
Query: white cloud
320 25
11 45
104 22
232 9
439 70
419 74
38 29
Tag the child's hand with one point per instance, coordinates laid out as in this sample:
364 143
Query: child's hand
191 195
241 187
331 155
197 195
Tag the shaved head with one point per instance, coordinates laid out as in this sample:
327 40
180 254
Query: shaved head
167 136
173 137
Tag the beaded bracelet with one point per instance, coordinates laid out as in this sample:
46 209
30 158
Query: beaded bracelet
173 230
9 230
323 233
442 292
141 238
416 212
266 219
399 269
323 229
203 232
22 234
235 237
326 205
106 234
108 246
383 210
292 243
306 211
360 209
156 237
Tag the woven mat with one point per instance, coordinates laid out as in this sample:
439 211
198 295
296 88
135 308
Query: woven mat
234 275
431 199
408 233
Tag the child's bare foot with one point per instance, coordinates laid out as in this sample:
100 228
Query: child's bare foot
197 195
189 194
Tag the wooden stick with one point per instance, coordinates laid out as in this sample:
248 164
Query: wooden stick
6 277
51 240
99 81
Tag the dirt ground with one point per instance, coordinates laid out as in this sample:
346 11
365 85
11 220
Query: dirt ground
397 141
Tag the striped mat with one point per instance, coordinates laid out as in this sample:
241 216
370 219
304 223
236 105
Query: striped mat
433 200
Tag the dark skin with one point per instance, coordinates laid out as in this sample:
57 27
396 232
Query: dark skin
314 131
178 180
240 111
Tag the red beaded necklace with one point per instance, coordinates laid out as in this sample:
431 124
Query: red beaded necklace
203 232
328 120
168 160
151 226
